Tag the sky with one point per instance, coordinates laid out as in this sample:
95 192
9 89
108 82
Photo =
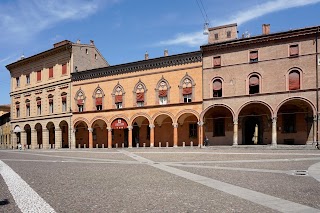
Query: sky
123 30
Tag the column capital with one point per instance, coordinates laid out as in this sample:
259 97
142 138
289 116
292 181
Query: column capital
130 127
151 126
200 123
109 129
235 121
274 119
90 129
175 125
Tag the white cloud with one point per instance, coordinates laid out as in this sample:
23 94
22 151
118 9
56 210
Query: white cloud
196 38
23 19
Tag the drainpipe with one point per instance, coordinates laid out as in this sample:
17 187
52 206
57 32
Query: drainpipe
317 85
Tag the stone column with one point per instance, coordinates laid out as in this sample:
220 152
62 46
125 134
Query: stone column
23 137
235 132
13 140
34 139
109 137
315 119
58 138
200 131
73 138
274 131
175 134
90 138
130 136
318 125
152 126
45 138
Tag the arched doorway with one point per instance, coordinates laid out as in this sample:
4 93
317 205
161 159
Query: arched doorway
255 121
99 134
119 133
38 128
295 122
17 131
82 135
51 129
140 132
163 131
188 129
64 134
27 129
218 125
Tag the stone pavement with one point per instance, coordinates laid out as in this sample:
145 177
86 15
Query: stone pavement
214 179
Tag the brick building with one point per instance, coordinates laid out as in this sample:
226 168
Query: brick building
40 93
5 128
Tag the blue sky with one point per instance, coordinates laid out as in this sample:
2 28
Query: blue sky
123 30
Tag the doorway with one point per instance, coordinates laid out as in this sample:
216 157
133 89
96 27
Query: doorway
252 124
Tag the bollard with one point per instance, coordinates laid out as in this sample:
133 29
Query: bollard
102 146
167 144
116 145
144 145
137 145
85 146
183 144
122 145
191 143
79 146
159 144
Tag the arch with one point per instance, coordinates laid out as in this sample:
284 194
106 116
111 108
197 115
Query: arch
215 105
80 119
314 111
162 113
212 86
64 126
114 91
186 111
97 89
187 76
27 126
256 102
98 98
80 100
118 116
98 118
38 126
141 114
50 124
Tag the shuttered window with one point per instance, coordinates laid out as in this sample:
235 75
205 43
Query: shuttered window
294 80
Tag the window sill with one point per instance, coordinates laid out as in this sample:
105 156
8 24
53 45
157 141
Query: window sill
253 62
216 67
294 56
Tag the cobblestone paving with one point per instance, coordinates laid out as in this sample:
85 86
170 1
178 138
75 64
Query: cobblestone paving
161 180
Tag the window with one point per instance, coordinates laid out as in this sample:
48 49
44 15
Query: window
118 96
217 61
163 91
27 107
289 123
294 50
140 90
118 101
140 99
119 105
28 79
253 56
163 100
193 132
64 69
216 36
51 72
98 98
80 100
228 34
187 90
187 98
218 127
50 104
39 75
95 56
18 110
87 52
18 82
254 84
217 88
294 80
38 106
64 102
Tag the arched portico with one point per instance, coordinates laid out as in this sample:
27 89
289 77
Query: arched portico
38 128
118 133
51 128
64 128
140 131
188 131
27 132
81 134
165 132
99 134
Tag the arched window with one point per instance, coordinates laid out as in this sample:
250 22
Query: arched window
80 99
294 80
186 89
162 92
98 97
254 84
38 105
217 88
27 107
64 101
17 109
139 92
50 98
118 96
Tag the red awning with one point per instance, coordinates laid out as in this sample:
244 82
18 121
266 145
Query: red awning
187 91
98 101
119 124
253 81
118 99
163 93
140 96
294 81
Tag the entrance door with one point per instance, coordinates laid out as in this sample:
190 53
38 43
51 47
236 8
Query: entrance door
249 129
135 135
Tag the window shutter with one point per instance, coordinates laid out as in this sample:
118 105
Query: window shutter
39 75
118 99
80 102
98 101
217 61
64 69
294 50
254 55
140 96
254 81
187 91
51 72
163 93
217 85
294 80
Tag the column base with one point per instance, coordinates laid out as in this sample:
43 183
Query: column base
235 144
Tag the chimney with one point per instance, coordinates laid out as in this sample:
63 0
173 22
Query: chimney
91 42
78 41
146 56
265 29
166 53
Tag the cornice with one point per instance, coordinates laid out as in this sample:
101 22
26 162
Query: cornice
167 61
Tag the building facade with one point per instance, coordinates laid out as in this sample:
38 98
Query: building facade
5 128
261 89
41 93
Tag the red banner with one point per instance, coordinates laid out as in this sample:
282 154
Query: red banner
119 124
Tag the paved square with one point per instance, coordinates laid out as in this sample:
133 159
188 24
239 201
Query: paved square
160 180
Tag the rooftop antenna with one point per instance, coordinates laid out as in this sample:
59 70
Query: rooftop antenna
205 17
